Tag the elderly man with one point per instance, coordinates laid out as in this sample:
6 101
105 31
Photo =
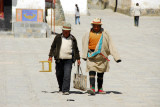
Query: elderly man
96 47
65 51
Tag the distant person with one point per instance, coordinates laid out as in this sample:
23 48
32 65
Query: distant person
77 14
137 13
97 45
65 51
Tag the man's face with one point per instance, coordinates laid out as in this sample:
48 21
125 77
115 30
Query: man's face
66 33
96 28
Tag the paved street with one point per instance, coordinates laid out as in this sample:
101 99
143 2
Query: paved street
135 82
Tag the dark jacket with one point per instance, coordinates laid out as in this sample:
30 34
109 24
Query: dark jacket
56 45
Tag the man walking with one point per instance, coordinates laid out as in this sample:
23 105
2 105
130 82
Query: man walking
65 51
137 13
96 47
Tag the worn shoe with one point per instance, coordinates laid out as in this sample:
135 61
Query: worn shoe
100 91
65 93
59 92
91 91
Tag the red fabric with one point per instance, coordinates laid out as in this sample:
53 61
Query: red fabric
1 9
104 57
66 27
1 15
96 22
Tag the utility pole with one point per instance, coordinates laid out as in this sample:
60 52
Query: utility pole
51 15
115 9
54 14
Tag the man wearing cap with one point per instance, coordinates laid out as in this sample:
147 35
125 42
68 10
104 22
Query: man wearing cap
65 51
97 45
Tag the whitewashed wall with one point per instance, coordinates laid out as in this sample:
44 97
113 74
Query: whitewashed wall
26 4
147 4
124 4
94 1
69 6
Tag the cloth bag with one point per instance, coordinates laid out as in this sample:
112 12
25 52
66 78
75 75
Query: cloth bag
80 80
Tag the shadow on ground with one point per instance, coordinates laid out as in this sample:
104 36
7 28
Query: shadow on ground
110 92
71 92
79 92
114 92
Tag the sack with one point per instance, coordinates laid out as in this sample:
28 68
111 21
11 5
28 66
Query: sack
80 80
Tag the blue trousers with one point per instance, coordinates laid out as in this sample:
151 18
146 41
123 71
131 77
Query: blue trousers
77 19
63 74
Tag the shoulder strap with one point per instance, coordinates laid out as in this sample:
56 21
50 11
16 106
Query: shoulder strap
99 48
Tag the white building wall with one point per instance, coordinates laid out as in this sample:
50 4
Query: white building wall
124 4
147 4
69 6
27 4
94 1
148 7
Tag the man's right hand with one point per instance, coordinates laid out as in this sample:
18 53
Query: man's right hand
84 59
50 59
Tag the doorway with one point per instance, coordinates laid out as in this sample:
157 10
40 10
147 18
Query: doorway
5 15
1 10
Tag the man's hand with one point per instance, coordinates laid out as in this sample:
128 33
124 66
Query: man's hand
118 61
84 59
50 59
78 62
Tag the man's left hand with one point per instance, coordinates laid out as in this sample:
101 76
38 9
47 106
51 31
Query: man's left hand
118 61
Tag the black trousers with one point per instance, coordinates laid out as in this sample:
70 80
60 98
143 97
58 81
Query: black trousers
92 75
136 20
63 74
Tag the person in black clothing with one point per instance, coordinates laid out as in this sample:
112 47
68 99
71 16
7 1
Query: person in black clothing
65 51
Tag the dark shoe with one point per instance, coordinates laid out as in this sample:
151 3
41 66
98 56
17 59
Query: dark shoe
65 93
59 92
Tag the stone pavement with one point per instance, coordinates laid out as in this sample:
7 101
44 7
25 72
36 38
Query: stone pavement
132 83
